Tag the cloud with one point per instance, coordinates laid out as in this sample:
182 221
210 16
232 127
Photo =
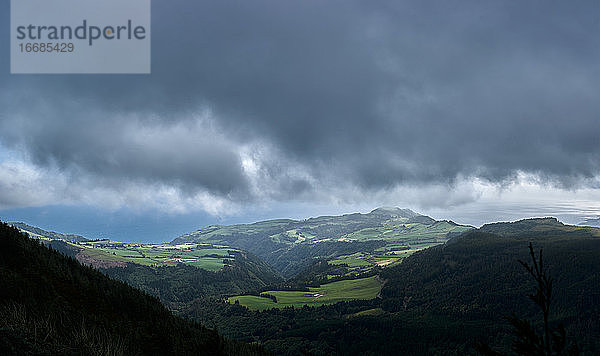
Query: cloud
28 185
319 101
22 185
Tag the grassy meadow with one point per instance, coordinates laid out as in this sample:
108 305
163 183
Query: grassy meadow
205 256
330 293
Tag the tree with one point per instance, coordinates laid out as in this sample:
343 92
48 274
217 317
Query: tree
528 341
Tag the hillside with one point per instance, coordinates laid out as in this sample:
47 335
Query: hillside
536 227
106 253
36 232
291 246
176 274
178 285
51 304
443 299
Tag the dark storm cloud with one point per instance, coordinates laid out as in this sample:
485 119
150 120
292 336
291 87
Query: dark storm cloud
79 139
370 94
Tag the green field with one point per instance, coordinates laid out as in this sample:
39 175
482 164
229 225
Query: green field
364 288
356 260
206 256
361 263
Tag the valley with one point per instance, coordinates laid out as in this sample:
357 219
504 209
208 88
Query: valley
290 246
361 282
312 262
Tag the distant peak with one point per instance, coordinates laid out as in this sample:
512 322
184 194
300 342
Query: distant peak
529 221
388 208
524 226
395 211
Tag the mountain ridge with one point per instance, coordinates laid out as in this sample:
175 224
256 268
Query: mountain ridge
532 226
38 232
292 245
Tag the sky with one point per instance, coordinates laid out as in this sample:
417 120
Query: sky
474 111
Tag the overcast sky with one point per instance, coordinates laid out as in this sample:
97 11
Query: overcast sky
471 110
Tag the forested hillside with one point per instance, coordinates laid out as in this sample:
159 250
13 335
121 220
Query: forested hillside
51 304
442 300
175 274
180 284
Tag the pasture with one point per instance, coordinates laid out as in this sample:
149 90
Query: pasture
330 293
205 256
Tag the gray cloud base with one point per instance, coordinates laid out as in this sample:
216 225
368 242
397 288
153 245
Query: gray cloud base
368 95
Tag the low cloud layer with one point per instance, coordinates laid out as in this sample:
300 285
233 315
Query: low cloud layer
321 101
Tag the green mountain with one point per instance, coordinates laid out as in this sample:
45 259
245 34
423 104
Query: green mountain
536 227
441 300
50 304
291 245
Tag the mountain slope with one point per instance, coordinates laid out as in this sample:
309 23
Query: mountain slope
181 284
536 227
50 304
477 277
442 300
291 246
36 232
176 274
